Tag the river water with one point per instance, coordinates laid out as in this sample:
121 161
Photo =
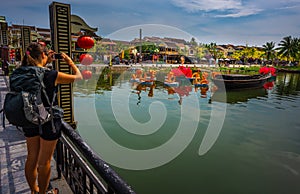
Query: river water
175 140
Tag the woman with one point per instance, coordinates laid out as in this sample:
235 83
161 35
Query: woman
40 147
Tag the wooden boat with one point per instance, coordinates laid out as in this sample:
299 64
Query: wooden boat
239 81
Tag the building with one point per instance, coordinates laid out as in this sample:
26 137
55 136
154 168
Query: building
14 37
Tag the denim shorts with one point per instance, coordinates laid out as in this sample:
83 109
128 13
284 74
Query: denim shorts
47 132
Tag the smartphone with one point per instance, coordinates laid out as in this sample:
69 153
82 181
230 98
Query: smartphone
57 56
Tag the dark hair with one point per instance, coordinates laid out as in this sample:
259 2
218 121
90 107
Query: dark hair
33 54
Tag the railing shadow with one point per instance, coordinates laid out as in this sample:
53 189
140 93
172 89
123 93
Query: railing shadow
83 169
13 155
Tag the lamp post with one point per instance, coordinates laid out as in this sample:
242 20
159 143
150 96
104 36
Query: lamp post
140 59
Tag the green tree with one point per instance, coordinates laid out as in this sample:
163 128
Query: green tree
193 42
296 49
200 53
184 51
285 48
212 49
247 53
149 48
269 49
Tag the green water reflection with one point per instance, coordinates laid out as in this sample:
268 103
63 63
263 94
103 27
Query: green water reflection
257 150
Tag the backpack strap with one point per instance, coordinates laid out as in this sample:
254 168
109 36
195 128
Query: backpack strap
51 111
41 78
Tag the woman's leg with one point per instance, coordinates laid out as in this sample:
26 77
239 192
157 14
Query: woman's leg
44 163
33 146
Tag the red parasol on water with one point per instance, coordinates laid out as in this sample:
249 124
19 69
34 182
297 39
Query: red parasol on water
266 70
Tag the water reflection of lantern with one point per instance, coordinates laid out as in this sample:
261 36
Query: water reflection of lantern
86 59
12 54
268 85
85 42
86 74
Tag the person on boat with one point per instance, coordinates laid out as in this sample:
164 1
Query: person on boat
152 75
182 60
187 72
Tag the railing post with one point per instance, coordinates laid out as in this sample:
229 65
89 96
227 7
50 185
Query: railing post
59 158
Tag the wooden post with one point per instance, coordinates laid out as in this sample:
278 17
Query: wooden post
4 46
26 38
60 25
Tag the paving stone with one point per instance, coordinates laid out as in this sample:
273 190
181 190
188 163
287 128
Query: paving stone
13 154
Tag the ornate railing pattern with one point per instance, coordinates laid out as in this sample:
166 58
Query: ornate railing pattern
84 171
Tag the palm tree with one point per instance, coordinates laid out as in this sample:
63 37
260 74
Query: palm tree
212 48
269 50
296 49
286 48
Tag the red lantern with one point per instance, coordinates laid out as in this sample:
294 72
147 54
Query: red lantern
86 59
85 42
86 74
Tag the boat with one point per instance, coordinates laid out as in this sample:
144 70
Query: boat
240 81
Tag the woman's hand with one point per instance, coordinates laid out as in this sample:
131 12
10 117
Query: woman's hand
50 56
66 58
77 74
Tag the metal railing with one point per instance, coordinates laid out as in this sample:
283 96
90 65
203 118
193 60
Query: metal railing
83 169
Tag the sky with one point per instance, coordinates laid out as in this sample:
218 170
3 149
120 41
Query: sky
238 22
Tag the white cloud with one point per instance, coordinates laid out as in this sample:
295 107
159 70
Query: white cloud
207 5
241 13
218 21
231 8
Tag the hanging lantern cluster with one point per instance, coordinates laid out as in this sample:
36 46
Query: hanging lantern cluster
86 59
86 42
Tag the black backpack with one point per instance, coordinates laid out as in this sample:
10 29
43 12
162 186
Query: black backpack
23 106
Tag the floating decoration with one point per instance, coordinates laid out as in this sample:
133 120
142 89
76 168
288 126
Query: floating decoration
186 71
86 59
266 70
85 42
86 74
